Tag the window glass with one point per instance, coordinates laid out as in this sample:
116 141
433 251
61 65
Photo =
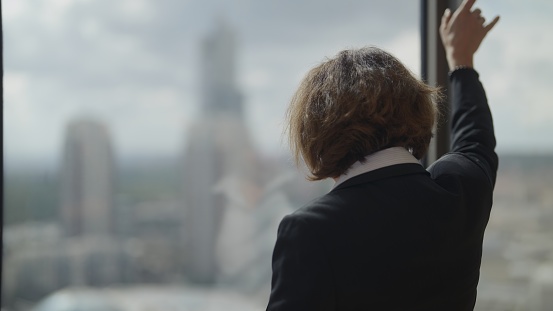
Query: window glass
515 65
144 161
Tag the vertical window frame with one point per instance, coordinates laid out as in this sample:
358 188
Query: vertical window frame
434 71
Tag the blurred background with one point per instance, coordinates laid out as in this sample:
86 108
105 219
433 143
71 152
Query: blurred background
144 164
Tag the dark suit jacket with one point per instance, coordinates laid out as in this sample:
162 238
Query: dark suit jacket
399 237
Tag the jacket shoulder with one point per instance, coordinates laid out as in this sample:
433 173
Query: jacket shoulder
321 212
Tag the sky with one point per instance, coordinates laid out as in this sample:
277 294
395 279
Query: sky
134 64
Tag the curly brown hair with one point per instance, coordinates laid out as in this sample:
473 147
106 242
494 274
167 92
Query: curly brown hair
359 102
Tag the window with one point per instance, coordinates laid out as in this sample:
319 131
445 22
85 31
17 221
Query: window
517 267
143 153
517 271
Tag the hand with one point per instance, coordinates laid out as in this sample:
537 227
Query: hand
462 32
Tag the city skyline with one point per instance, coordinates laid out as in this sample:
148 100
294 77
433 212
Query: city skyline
217 230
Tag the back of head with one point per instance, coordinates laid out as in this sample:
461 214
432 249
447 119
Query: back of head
359 102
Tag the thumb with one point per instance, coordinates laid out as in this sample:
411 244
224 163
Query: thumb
489 26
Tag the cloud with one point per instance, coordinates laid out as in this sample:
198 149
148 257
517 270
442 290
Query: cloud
136 63
406 47
515 64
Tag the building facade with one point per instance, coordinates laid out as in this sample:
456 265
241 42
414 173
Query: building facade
87 180
218 147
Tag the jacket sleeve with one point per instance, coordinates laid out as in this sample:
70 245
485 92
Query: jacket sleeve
472 132
301 274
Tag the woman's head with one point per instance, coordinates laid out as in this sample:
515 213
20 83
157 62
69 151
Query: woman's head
355 104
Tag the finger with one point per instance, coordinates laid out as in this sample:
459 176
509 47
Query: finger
446 17
466 5
476 12
481 20
489 26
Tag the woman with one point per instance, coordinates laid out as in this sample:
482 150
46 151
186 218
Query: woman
390 235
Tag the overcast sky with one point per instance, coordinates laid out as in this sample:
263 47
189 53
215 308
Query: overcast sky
134 65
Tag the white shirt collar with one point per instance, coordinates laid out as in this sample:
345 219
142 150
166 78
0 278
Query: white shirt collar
379 159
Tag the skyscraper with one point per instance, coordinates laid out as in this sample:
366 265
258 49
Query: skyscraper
87 180
218 146
220 93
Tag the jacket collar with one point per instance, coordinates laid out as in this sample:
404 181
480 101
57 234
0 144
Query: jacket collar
374 161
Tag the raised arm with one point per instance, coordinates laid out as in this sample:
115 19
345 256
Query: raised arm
472 131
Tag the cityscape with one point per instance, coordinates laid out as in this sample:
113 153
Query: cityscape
195 231
201 224
517 263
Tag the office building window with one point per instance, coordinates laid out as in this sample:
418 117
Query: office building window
143 159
